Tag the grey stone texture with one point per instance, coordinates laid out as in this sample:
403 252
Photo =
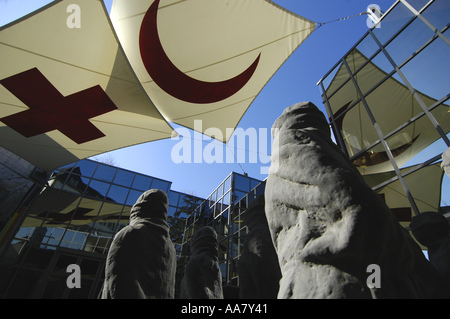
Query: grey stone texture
446 162
202 277
141 262
328 225
431 229
259 271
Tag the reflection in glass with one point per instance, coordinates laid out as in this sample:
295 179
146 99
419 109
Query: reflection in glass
398 17
335 79
160 184
392 105
373 72
428 72
442 115
173 198
356 128
124 178
85 168
409 41
133 197
117 194
343 98
97 189
418 4
241 183
142 182
367 47
411 140
438 13
105 173
227 183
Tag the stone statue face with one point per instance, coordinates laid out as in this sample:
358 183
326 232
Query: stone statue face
205 240
151 204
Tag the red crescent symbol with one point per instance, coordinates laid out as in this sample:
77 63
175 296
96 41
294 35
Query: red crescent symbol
175 82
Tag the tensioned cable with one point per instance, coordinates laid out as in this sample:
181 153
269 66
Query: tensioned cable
341 19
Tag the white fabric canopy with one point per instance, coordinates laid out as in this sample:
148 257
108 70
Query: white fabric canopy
206 60
69 93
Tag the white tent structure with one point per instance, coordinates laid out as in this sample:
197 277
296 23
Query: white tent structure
72 90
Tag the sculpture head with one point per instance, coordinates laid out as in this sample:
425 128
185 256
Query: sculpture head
152 204
205 241
255 215
429 228
303 117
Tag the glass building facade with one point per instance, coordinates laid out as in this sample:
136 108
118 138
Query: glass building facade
73 220
388 104
222 210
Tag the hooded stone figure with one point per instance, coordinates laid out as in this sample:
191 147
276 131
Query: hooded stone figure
334 236
432 230
259 271
203 278
141 262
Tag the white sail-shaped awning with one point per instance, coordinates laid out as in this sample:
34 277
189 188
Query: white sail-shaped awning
67 90
206 60
73 84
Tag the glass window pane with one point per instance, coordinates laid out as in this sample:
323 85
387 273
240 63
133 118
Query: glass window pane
66 168
133 197
85 168
373 73
254 183
407 144
392 104
241 183
418 4
97 189
438 13
442 115
355 60
105 173
393 22
428 72
409 41
160 184
343 98
173 198
368 46
357 129
124 178
117 194
227 184
142 182
335 79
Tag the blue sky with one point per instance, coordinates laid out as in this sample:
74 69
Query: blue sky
294 82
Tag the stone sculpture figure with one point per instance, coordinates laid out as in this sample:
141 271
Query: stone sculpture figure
431 229
446 162
202 277
328 226
259 271
141 262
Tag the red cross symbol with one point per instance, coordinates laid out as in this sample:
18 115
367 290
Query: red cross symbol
50 110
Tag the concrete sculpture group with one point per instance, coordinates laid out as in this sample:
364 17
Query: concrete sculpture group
313 235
